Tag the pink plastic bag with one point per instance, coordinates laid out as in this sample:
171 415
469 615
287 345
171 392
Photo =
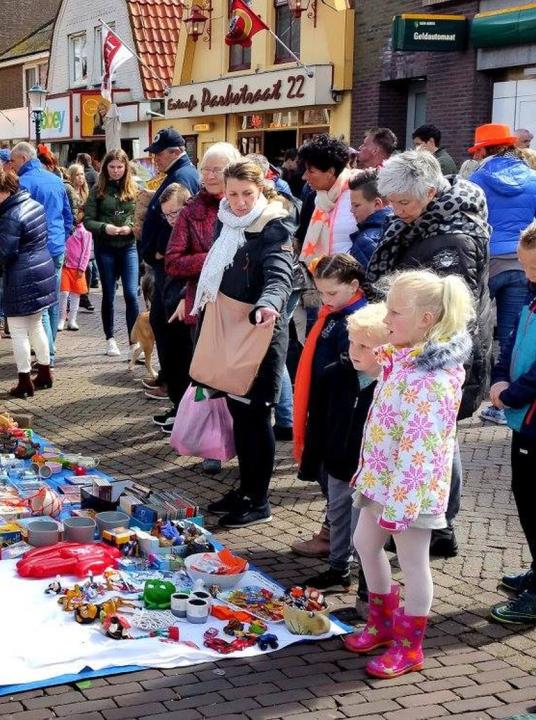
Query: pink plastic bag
203 429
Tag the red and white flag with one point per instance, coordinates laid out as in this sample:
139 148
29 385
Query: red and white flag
114 54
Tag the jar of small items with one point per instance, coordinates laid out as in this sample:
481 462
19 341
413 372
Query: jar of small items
306 611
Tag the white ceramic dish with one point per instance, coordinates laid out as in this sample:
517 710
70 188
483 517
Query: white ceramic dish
224 581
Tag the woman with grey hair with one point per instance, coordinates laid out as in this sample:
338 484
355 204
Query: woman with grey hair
440 224
190 241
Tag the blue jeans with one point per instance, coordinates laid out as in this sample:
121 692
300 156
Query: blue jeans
509 289
285 407
115 263
51 314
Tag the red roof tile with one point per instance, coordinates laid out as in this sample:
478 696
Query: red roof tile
155 27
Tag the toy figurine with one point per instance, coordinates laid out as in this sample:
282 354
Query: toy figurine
73 597
268 640
54 588
116 627
86 613
233 627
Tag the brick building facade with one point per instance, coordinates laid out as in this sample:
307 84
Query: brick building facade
453 95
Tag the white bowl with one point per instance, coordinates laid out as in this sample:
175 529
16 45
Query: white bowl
224 581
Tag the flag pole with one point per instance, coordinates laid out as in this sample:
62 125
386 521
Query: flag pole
164 84
307 69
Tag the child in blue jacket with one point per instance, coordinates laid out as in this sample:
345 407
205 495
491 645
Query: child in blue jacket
370 213
514 391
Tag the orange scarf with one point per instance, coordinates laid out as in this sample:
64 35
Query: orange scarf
302 387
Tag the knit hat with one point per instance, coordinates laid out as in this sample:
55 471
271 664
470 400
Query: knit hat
5 155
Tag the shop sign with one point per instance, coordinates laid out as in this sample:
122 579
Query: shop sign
93 109
56 119
248 93
430 33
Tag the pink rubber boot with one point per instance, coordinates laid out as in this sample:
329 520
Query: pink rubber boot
405 654
378 630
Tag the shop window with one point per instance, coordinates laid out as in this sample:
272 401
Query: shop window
34 75
287 27
78 59
250 143
252 122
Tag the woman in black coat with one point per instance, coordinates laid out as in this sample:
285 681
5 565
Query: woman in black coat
251 261
29 281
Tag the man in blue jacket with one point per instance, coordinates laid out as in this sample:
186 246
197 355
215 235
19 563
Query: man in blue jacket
510 188
49 190
171 158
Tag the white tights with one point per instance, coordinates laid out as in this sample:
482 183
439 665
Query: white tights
74 305
27 332
413 550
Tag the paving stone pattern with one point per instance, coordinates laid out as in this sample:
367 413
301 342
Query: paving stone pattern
474 669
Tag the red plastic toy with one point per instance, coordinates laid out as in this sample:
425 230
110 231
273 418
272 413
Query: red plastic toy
68 558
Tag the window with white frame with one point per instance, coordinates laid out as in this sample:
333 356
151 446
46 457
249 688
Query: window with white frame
97 51
34 75
78 59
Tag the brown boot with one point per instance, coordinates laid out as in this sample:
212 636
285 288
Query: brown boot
43 379
24 387
317 546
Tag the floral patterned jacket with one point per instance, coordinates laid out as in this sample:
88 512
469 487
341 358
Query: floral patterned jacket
406 455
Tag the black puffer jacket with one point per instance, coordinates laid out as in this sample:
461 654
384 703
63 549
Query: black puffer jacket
29 277
451 237
261 274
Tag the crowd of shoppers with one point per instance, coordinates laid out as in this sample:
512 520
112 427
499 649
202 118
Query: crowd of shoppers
384 273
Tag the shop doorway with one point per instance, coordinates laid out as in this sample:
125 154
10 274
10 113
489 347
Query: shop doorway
276 142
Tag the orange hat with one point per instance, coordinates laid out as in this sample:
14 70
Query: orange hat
492 134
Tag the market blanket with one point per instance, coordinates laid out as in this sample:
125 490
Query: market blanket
41 642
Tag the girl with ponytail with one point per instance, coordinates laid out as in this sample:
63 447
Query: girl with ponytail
402 482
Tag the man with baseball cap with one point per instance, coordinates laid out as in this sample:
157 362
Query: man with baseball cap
170 158
510 188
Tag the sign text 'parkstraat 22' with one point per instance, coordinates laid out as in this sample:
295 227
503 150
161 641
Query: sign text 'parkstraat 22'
430 33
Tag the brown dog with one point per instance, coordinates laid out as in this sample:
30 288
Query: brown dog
142 337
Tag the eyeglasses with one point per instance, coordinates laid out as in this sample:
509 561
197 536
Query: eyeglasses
173 215
218 172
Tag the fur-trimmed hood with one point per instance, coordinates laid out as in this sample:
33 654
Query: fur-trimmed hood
430 356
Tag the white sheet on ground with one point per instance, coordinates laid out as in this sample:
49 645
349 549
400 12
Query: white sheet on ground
41 641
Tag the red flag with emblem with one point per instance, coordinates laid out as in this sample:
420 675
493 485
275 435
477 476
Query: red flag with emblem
243 25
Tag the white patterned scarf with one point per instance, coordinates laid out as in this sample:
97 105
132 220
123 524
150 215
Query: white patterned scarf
221 255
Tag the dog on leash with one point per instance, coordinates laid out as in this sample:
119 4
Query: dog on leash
142 339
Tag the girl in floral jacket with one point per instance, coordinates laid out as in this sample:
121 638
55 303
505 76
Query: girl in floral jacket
402 482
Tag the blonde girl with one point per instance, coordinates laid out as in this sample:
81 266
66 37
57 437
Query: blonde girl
402 482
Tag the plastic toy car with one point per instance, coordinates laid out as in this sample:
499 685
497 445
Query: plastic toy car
68 558
268 640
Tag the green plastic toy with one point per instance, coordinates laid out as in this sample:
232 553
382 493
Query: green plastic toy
157 594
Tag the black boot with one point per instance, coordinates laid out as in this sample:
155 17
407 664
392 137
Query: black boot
43 379
24 388
86 304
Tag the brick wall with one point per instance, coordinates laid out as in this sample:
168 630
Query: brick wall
21 17
11 84
458 97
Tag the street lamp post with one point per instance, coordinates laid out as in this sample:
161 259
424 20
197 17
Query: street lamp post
36 98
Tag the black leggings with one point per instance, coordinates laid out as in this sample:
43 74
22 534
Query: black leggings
523 458
255 448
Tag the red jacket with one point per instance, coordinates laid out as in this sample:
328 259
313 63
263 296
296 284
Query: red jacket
190 241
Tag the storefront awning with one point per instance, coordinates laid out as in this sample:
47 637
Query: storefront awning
511 26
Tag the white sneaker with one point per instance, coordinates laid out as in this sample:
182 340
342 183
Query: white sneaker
111 347
61 325
71 325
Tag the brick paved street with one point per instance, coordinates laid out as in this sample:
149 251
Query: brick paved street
474 669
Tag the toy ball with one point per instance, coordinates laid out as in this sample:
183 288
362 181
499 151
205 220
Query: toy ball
45 502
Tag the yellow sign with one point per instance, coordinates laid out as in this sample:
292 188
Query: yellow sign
93 108
202 127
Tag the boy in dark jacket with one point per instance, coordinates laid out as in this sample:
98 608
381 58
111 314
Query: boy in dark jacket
345 395
371 215
514 391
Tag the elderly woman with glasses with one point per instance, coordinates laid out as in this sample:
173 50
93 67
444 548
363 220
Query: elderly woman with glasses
192 238
440 224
